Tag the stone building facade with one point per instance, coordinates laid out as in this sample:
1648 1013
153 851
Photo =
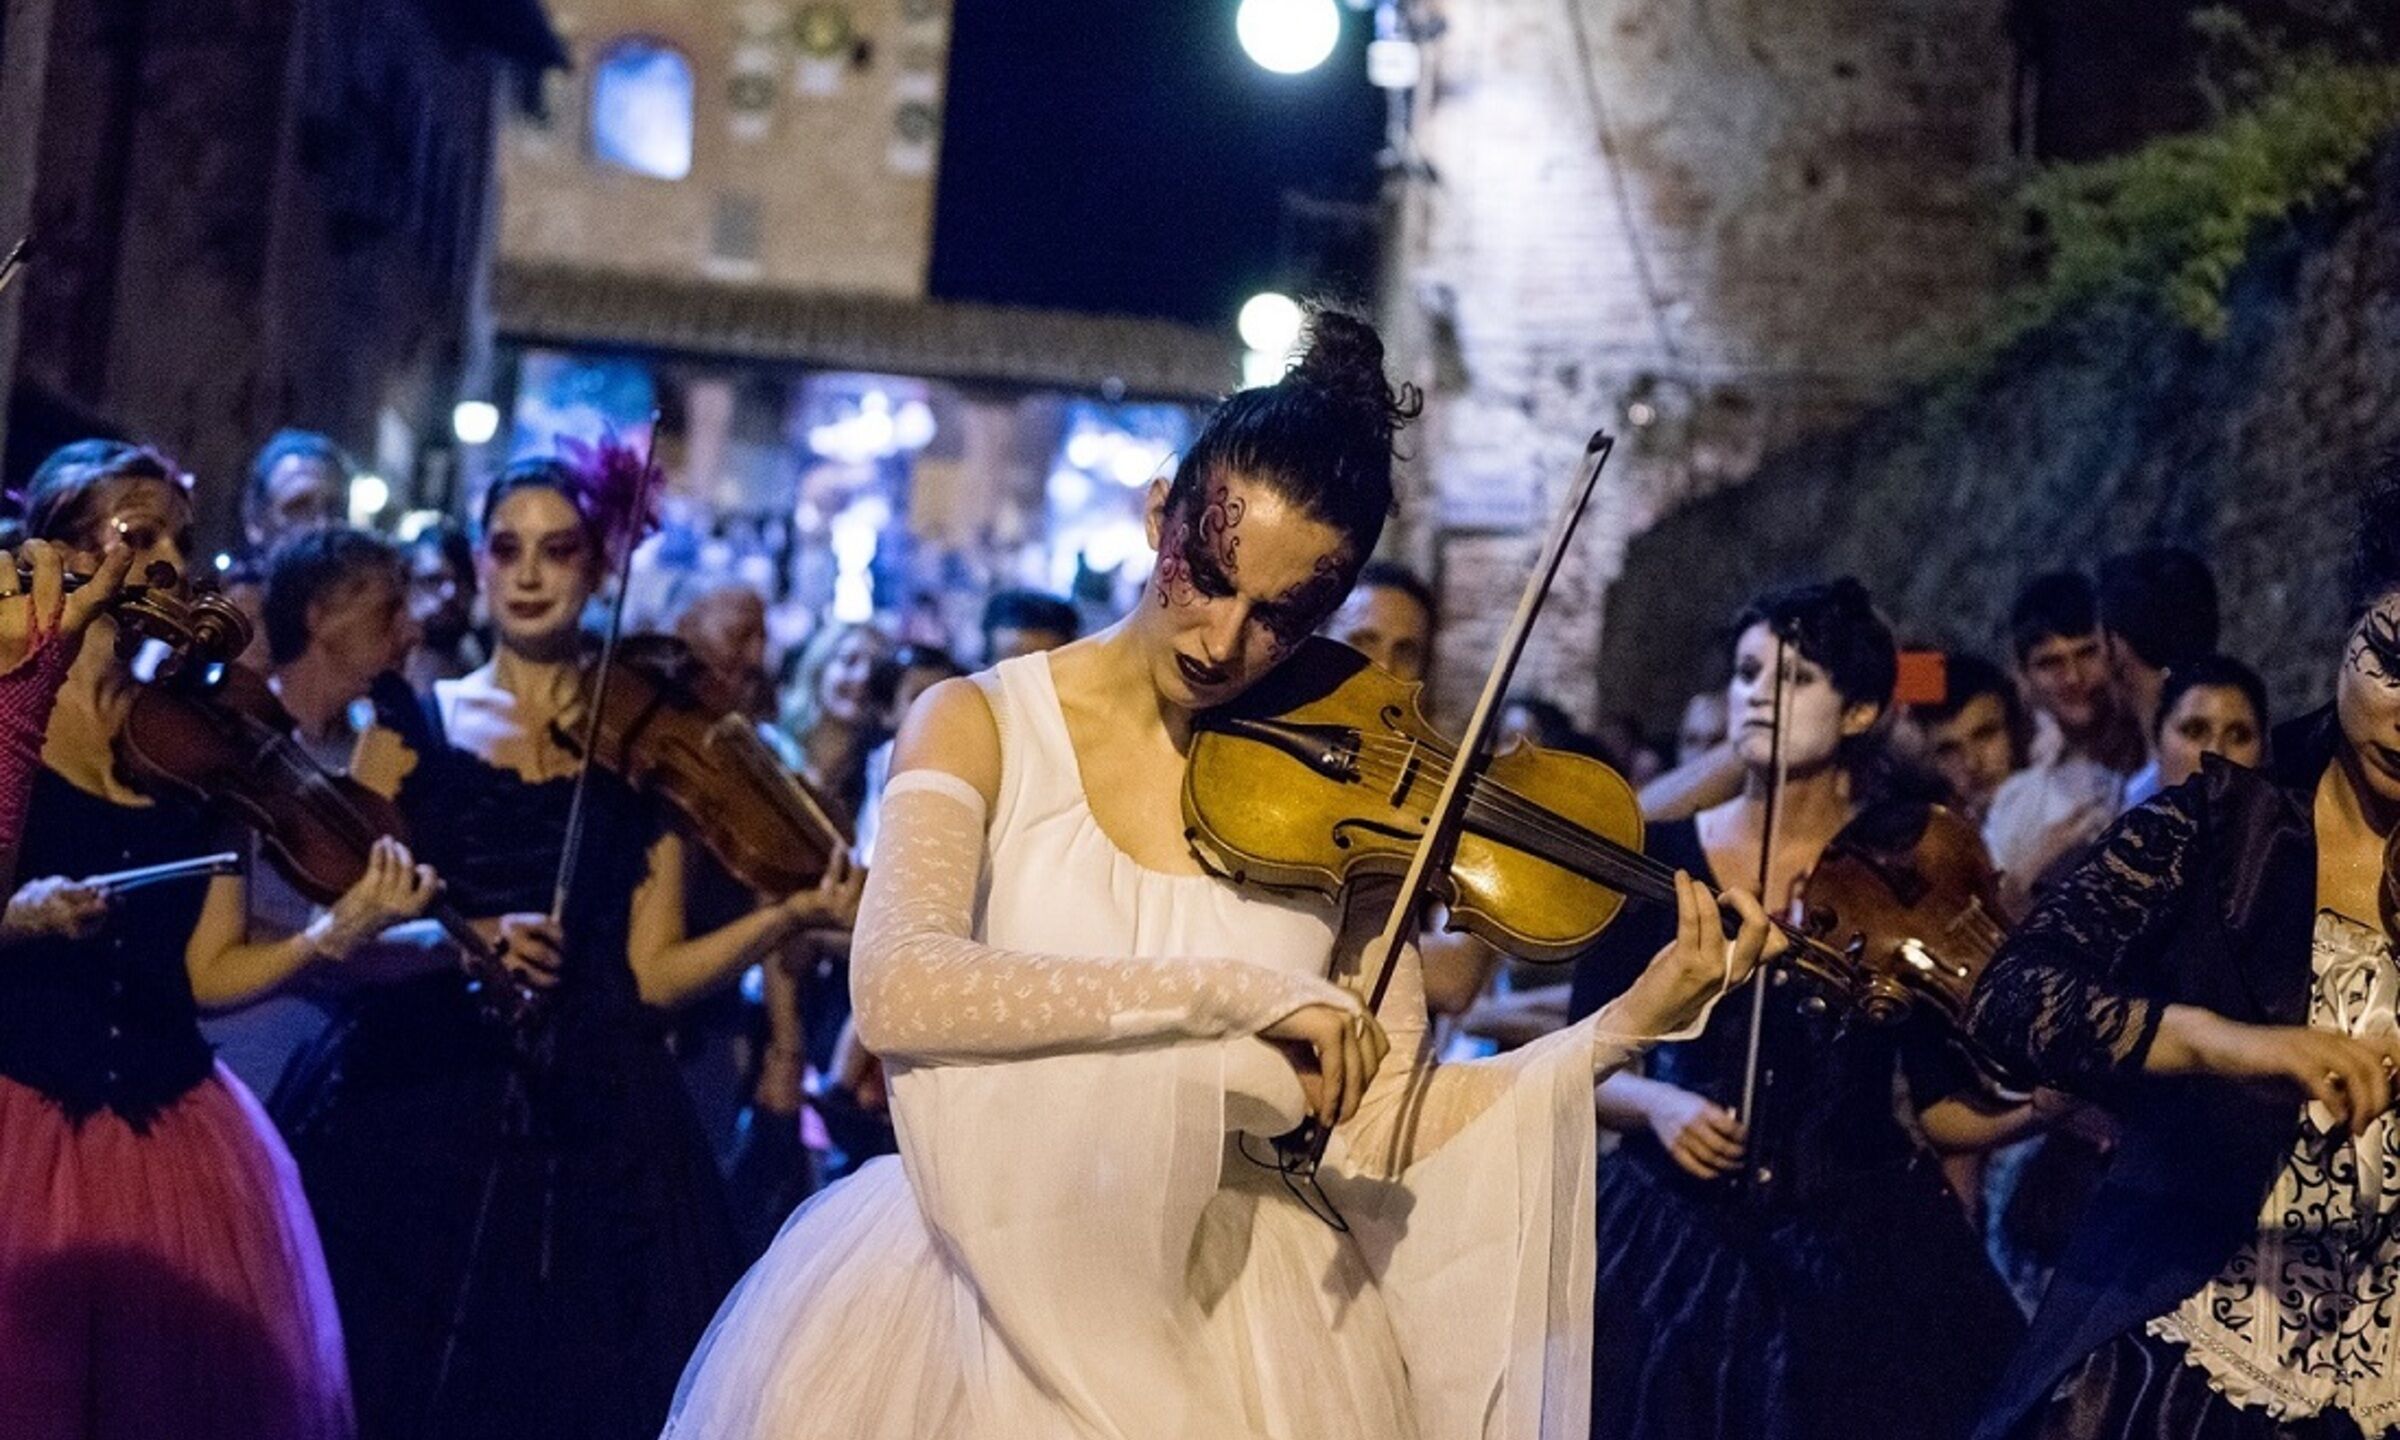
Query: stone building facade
247 214
1710 229
812 139
754 228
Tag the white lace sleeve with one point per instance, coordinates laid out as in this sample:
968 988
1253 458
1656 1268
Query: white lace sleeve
924 989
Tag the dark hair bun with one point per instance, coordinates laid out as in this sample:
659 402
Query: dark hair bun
1343 357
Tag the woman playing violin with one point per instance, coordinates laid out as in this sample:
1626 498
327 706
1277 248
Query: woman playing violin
2220 973
527 1236
157 1262
1800 1271
1080 1027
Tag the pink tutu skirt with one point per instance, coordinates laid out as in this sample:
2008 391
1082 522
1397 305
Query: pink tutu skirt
162 1283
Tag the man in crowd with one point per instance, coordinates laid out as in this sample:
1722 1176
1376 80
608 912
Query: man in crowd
2158 610
1024 622
299 481
337 620
441 599
1977 735
2075 785
726 628
1388 617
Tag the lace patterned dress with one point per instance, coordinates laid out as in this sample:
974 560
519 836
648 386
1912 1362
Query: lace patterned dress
2306 1318
556 1227
1070 1244
2204 895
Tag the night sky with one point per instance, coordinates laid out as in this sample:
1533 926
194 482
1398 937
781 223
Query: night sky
1125 156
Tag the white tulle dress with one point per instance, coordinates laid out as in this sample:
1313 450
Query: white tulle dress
1069 1245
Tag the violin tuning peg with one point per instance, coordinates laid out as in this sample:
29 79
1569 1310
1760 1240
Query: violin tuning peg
1814 1007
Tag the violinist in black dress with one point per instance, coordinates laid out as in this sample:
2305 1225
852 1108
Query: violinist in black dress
527 1232
1801 1271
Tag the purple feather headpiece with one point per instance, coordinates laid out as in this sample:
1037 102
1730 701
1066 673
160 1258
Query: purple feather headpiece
610 487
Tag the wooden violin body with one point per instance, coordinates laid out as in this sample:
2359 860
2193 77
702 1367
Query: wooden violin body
1912 894
1323 773
712 770
221 739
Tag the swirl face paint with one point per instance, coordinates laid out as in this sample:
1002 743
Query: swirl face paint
2367 699
1246 575
1201 556
2374 652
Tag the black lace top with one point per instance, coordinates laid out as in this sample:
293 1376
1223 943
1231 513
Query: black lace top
1825 1092
108 1022
2068 997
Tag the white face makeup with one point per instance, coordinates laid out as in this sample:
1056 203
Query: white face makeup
1819 717
2367 698
538 568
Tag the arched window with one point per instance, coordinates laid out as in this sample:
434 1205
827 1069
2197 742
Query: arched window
642 109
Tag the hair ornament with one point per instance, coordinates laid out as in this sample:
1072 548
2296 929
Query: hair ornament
611 485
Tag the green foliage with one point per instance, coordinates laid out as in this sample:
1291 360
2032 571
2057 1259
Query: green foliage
2169 223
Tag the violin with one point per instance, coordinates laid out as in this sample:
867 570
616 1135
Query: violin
220 738
711 768
202 629
1910 892
1323 774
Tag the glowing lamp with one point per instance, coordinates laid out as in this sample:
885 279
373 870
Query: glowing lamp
1289 37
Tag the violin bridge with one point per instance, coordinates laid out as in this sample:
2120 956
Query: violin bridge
1408 774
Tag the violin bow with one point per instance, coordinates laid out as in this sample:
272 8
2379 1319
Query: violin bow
1777 773
1449 815
199 867
577 808
14 261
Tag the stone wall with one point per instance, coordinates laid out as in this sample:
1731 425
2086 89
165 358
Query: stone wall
253 214
2112 430
812 162
1713 229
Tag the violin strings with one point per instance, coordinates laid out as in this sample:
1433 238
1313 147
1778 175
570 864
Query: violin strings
1605 860
1592 848
1498 798
1522 808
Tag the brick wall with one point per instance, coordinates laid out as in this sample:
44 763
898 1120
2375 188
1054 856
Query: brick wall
2113 430
801 176
250 215
1731 219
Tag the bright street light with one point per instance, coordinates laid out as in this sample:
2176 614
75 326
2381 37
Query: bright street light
1288 37
474 422
368 495
1270 322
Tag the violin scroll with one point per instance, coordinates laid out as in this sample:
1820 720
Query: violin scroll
197 629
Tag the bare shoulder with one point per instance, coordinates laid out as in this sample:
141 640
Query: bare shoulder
951 729
381 760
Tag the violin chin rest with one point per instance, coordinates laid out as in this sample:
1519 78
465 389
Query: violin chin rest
1262 1092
